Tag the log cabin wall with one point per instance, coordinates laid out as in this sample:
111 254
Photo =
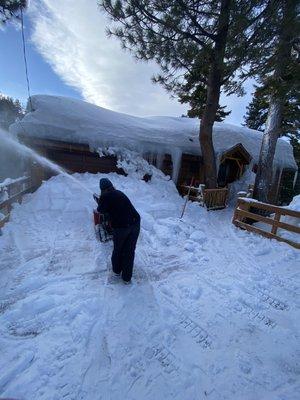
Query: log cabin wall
286 190
191 167
167 165
78 158
71 156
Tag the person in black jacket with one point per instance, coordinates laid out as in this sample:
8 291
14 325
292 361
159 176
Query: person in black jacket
125 221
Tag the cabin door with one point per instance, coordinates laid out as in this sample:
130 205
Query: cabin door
229 171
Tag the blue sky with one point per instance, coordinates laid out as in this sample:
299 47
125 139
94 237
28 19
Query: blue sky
69 54
12 70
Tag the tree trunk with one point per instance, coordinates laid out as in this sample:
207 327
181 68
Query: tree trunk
263 180
206 129
213 96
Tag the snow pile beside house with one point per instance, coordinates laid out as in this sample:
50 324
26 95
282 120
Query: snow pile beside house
239 187
72 120
132 163
212 311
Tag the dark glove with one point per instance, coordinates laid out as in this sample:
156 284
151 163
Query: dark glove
96 198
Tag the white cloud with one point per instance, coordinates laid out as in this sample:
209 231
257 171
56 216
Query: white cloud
70 35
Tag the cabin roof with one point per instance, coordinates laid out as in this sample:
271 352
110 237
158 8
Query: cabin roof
76 121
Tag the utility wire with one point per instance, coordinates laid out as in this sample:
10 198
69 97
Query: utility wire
25 60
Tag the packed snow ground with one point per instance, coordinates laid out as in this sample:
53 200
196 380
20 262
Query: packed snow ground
212 312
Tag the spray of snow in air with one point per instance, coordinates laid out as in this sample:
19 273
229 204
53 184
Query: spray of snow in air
10 142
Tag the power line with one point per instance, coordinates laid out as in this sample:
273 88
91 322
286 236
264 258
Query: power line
25 60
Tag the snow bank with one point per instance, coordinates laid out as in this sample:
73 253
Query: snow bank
72 120
240 186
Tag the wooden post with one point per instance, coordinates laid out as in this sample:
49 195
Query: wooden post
241 205
187 197
235 214
275 226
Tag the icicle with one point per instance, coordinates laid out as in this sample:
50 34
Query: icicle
176 160
218 160
159 160
295 179
280 174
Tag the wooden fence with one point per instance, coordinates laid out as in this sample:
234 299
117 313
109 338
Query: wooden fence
12 193
268 214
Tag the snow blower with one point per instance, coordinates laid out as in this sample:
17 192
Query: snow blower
102 227
102 224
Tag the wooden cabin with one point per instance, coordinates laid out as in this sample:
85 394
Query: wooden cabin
72 132
75 157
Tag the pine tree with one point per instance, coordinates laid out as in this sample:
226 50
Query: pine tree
257 111
208 39
10 111
194 93
10 9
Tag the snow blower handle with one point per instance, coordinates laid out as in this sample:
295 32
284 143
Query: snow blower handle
96 198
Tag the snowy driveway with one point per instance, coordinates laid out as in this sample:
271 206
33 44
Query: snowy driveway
212 312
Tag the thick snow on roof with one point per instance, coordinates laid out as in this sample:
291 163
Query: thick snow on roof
67 119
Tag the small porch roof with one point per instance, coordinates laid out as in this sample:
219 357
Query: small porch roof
237 151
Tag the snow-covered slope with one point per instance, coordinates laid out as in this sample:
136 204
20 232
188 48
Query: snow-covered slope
212 312
74 120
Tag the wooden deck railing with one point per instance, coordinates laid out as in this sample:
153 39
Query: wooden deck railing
213 199
244 217
12 193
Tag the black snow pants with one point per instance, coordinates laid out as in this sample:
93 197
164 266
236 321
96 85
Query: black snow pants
124 248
